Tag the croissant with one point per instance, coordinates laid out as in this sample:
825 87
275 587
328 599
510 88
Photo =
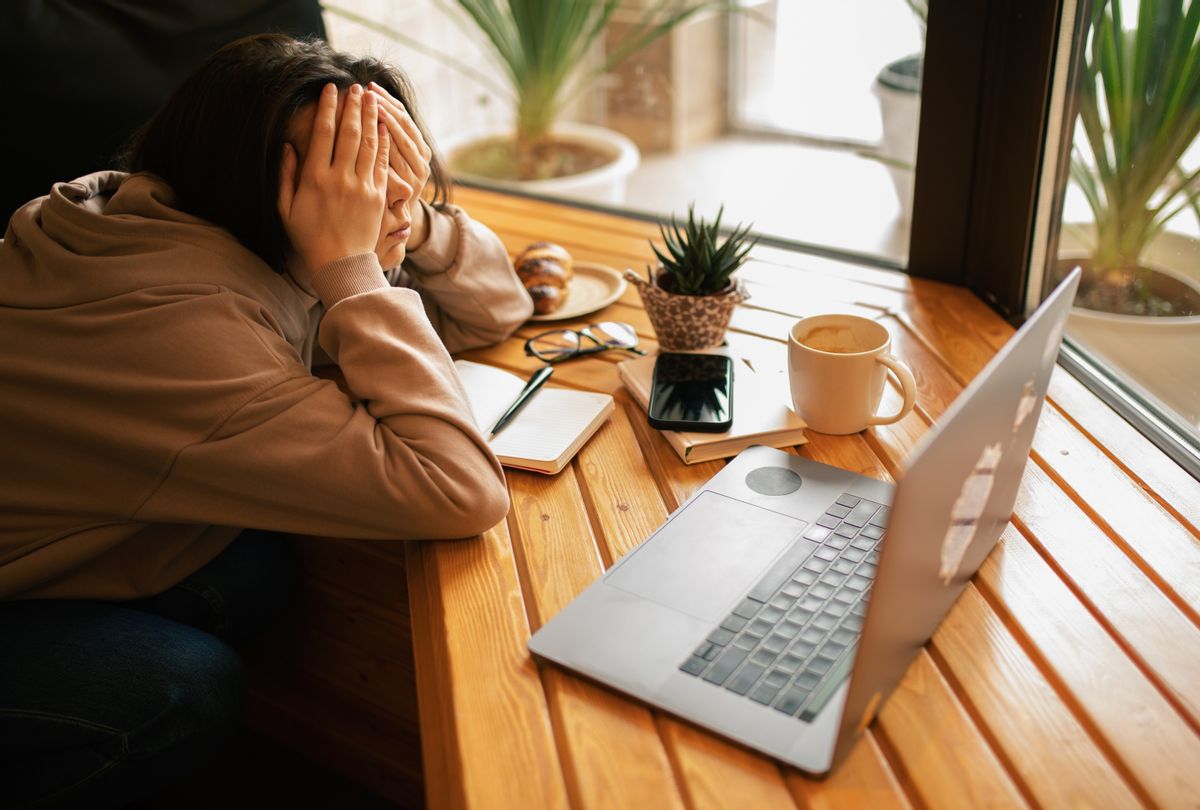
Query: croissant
545 269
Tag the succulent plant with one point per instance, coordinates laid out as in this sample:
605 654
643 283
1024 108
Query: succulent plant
693 263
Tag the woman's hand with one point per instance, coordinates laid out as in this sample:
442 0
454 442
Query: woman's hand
335 208
409 157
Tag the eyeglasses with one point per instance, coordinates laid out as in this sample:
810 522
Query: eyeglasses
564 344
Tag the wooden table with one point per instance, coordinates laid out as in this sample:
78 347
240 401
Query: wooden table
1067 675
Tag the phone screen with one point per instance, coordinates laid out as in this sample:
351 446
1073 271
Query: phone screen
692 391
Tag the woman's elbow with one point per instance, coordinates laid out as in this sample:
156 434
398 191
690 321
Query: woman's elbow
509 314
473 494
522 311
511 304
474 507
504 319
490 508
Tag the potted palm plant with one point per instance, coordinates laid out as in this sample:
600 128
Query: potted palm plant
690 296
542 47
1139 112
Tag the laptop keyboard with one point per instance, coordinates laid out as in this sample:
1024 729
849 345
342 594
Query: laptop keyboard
790 641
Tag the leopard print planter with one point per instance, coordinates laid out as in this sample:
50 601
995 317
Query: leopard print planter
688 322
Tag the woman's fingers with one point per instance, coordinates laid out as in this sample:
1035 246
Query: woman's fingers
320 145
410 153
382 156
406 151
403 119
369 125
337 206
349 136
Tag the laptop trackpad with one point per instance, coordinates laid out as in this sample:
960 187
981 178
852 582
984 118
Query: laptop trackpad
707 556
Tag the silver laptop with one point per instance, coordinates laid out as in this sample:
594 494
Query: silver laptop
784 600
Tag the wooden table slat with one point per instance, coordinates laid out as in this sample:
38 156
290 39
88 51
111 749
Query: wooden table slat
947 758
486 734
611 752
715 774
617 249
1134 453
1018 704
626 763
625 499
826 266
864 780
977 317
1111 498
1147 623
1154 749
853 453
790 291
964 354
487 205
937 385
490 205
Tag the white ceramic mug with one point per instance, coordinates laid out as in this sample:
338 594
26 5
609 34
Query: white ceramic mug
837 365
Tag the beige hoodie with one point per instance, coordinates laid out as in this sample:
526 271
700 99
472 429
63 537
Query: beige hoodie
156 394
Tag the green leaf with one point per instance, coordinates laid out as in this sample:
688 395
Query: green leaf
1139 109
700 262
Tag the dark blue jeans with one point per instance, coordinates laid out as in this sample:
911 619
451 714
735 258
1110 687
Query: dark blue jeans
102 704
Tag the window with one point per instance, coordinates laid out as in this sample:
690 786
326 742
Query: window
797 116
1127 214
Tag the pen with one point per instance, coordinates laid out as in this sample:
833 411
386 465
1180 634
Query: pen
531 387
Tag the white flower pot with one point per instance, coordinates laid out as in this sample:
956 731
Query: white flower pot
898 89
1161 355
605 185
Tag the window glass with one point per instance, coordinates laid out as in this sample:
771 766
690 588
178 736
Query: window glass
1130 217
795 115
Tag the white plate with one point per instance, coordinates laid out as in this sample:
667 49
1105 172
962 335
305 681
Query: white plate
592 287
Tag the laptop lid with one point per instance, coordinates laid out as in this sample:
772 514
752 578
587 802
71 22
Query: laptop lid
954 499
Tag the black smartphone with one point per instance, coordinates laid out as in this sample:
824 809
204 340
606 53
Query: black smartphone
692 392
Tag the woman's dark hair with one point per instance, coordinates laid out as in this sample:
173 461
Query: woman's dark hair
218 140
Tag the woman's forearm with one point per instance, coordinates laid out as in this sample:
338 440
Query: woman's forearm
466 280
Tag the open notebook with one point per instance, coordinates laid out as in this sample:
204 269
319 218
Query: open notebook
760 414
547 432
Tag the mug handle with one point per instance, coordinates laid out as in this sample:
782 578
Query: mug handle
907 383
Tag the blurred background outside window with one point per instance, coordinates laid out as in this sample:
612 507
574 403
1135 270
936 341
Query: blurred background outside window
796 115
1130 215
801 117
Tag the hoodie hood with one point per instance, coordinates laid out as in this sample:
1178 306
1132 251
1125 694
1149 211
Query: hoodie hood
110 234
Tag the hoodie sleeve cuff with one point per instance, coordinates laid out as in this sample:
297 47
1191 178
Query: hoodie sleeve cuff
347 276
440 248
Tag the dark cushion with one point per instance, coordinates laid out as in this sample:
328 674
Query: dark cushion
81 76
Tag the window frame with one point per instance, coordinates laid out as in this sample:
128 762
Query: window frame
984 130
985 104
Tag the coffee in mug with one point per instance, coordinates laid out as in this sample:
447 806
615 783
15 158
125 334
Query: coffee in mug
837 367
836 339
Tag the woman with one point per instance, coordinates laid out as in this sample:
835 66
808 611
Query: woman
159 331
